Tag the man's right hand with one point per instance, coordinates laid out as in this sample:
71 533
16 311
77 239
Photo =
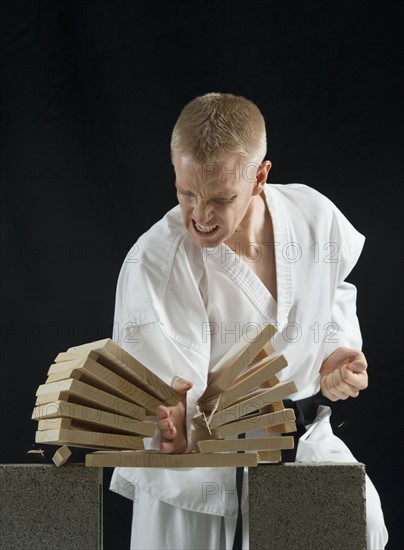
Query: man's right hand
171 421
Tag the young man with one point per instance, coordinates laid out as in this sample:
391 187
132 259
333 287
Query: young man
234 254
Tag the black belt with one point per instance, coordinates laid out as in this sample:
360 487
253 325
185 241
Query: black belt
305 412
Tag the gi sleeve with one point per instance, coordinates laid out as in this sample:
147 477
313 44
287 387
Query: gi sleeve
167 359
141 329
349 243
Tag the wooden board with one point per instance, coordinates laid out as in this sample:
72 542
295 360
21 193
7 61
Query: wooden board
89 371
72 424
94 390
90 440
160 460
276 363
283 428
271 382
83 394
253 402
61 456
246 382
267 350
275 406
236 359
112 356
254 422
94 418
286 428
253 444
54 424
269 456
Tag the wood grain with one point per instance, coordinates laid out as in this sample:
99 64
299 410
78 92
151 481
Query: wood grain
112 356
160 460
93 418
90 440
252 402
89 371
83 394
270 456
236 359
61 456
252 444
256 422
255 375
267 350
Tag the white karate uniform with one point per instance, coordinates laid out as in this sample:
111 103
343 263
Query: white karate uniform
179 308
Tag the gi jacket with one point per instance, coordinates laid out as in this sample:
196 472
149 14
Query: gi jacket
179 308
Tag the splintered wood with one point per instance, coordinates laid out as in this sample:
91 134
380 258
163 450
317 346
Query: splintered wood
98 396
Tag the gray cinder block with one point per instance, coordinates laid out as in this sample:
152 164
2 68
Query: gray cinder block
43 507
307 506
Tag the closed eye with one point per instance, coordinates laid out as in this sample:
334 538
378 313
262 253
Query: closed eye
183 192
224 200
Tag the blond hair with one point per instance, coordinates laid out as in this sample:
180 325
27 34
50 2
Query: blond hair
215 124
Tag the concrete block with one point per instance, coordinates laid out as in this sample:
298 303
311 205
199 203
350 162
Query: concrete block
43 507
303 506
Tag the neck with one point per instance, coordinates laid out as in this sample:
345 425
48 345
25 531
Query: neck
254 227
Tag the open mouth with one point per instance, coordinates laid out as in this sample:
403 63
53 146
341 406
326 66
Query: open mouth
204 229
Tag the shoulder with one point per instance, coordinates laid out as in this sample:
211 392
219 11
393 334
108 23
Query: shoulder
155 247
299 195
161 235
147 266
310 212
301 203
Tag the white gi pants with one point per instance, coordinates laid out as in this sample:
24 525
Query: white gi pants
157 525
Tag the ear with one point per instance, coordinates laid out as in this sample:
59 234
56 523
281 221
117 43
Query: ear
261 177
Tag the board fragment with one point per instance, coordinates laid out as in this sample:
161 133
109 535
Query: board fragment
61 456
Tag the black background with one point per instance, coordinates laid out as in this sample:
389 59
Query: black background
90 91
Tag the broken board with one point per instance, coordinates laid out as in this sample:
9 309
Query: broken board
61 456
253 402
255 375
97 396
236 359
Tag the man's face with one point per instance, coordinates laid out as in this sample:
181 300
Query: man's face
214 197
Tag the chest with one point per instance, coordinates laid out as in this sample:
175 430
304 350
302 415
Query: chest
235 298
262 262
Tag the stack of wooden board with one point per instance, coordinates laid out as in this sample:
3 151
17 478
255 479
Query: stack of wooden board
243 396
98 396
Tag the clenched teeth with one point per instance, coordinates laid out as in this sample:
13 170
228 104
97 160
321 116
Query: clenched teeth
205 228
